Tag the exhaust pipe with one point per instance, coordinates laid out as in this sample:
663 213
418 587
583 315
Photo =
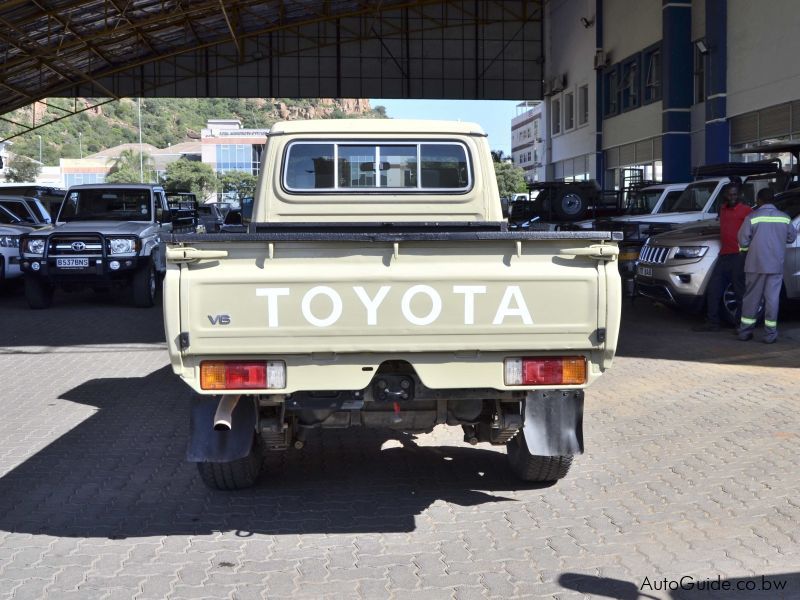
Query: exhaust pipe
224 415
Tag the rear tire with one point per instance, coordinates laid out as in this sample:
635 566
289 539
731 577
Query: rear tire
235 475
570 205
38 293
144 285
529 467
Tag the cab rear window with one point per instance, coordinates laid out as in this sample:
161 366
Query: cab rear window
405 166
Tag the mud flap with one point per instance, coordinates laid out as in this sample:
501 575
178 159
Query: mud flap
554 422
207 445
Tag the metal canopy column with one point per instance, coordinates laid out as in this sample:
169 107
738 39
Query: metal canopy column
717 126
676 144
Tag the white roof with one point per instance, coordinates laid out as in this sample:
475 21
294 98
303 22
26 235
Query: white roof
349 126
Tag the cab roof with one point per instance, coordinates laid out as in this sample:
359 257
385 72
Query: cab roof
379 126
116 186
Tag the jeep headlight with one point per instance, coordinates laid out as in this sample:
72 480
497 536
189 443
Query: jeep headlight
9 241
34 246
690 252
122 245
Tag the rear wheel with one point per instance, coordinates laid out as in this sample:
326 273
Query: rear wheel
530 467
570 205
38 293
144 286
235 475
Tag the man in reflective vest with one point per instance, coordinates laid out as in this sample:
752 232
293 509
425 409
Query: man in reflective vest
763 236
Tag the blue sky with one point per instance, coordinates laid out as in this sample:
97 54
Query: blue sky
493 115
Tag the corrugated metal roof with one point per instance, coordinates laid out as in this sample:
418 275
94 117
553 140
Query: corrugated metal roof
48 47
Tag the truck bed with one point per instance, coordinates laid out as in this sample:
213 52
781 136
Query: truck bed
355 296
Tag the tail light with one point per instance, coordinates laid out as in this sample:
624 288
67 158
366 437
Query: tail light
549 370
242 375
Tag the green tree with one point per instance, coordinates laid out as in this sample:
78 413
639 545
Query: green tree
498 156
190 175
22 169
510 179
128 167
241 183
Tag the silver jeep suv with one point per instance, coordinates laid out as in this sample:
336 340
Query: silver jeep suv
675 267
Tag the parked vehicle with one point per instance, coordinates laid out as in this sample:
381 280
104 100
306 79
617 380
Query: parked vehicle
107 235
384 289
649 200
675 267
558 201
12 228
30 210
572 201
9 251
209 218
50 197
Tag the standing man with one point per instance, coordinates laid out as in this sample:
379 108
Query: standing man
763 237
729 267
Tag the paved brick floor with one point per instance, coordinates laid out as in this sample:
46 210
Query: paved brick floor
691 470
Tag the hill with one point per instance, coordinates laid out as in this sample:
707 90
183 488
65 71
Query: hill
165 121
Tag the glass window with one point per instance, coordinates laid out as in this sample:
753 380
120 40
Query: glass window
569 111
237 157
107 204
699 75
630 84
583 105
398 166
693 199
444 166
644 201
71 179
556 108
16 207
652 74
309 167
611 92
356 166
402 166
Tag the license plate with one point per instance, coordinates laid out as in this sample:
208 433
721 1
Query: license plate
645 271
72 263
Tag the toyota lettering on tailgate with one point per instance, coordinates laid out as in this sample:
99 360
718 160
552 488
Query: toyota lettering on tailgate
511 306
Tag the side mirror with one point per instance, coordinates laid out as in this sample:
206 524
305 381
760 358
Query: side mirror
160 215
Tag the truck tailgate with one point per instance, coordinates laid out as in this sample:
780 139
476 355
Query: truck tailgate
297 297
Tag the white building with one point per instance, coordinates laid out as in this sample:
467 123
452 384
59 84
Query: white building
656 91
226 146
528 132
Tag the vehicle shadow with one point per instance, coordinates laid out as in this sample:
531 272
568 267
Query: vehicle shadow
653 330
779 585
76 319
121 473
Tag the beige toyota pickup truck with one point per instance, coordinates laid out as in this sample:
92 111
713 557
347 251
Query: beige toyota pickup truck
377 285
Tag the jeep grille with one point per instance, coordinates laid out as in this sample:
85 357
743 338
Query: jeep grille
653 254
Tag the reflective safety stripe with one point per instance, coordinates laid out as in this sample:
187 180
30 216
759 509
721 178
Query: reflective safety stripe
742 248
747 321
784 220
772 324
